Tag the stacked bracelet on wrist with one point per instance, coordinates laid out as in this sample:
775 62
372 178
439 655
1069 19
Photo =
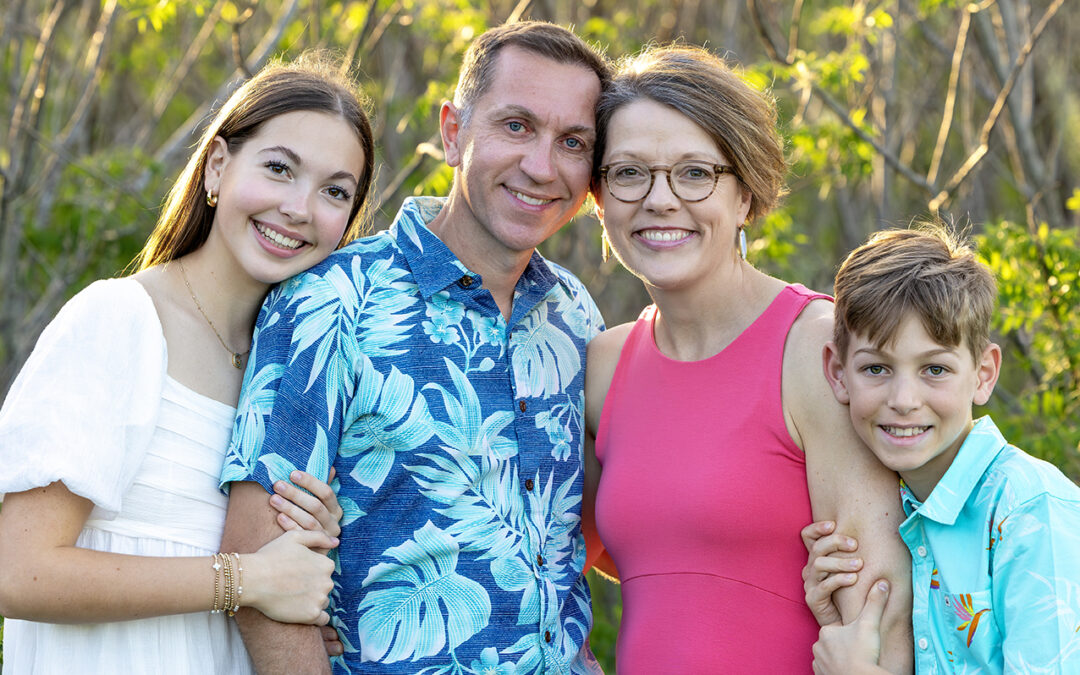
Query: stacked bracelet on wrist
227 594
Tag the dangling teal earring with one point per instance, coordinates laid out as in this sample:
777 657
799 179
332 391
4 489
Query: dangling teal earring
742 242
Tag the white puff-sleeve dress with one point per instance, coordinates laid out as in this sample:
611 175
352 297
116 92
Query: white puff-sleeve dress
93 407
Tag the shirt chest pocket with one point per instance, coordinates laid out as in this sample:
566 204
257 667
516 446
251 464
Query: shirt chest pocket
969 631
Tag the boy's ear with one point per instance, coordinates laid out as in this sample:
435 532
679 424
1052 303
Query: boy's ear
833 363
987 370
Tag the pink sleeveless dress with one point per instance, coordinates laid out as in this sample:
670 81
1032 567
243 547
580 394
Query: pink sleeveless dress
701 500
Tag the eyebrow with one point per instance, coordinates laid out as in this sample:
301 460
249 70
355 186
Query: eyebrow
871 351
295 159
514 110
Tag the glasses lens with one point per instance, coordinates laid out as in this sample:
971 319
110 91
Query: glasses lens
693 181
628 181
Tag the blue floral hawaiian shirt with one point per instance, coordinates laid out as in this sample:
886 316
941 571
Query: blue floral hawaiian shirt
457 439
995 563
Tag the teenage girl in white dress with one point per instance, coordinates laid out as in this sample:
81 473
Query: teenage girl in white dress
113 435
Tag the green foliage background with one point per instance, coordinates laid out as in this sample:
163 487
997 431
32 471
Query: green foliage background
892 110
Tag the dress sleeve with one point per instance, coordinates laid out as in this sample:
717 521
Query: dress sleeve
85 404
296 388
1036 582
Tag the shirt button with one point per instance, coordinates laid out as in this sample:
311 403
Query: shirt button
529 484
923 643
921 551
539 559
547 636
522 406
465 281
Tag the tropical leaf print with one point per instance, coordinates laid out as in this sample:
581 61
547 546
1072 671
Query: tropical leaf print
380 429
544 358
428 605
467 430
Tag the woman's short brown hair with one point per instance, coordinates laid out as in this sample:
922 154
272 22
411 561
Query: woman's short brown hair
740 119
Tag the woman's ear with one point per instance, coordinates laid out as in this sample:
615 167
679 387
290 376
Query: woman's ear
833 363
987 369
217 157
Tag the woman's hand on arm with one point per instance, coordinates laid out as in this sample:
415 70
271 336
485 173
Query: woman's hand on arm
315 507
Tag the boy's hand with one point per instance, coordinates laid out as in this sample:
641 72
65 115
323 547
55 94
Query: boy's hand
856 647
825 573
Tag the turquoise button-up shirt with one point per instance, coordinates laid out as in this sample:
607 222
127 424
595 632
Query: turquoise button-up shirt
995 571
457 439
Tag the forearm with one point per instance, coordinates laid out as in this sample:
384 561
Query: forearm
45 577
274 647
74 585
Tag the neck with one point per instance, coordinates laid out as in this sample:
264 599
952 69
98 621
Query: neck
499 267
227 295
698 322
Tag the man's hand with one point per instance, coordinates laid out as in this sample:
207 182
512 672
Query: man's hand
856 647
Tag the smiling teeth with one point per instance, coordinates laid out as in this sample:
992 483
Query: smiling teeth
663 235
532 201
278 238
904 432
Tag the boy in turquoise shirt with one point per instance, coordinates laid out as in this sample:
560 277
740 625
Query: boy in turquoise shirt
994 533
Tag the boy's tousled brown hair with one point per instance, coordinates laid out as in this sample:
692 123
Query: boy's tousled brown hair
926 271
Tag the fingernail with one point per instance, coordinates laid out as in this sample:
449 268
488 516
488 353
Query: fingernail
883 586
335 540
829 525
279 486
294 476
850 542
275 500
853 563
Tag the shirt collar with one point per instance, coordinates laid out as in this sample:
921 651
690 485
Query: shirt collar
434 265
947 499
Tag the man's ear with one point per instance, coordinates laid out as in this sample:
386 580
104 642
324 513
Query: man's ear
450 129
833 363
987 370
217 157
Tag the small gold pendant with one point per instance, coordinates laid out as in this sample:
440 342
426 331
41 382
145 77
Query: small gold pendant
236 361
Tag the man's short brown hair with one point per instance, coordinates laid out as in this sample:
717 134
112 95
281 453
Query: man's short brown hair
927 271
540 37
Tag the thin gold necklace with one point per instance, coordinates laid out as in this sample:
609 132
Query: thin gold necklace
236 356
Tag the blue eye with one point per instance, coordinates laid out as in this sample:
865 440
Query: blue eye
515 126
575 143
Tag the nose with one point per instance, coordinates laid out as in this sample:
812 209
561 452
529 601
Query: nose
660 198
538 162
903 395
296 204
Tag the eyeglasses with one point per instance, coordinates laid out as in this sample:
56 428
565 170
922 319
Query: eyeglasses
689 181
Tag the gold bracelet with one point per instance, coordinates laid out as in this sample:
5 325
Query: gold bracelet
227 601
217 584
239 584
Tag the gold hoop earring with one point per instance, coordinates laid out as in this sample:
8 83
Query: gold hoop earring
211 198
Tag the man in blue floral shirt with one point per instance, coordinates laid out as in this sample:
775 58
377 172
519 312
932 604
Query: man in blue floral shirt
439 367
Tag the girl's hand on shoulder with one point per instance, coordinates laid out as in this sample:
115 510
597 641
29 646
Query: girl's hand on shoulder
824 572
288 580
314 508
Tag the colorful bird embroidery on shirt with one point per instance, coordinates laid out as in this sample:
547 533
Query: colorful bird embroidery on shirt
935 582
965 610
994 540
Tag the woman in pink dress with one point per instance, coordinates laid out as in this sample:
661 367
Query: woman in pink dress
716 435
